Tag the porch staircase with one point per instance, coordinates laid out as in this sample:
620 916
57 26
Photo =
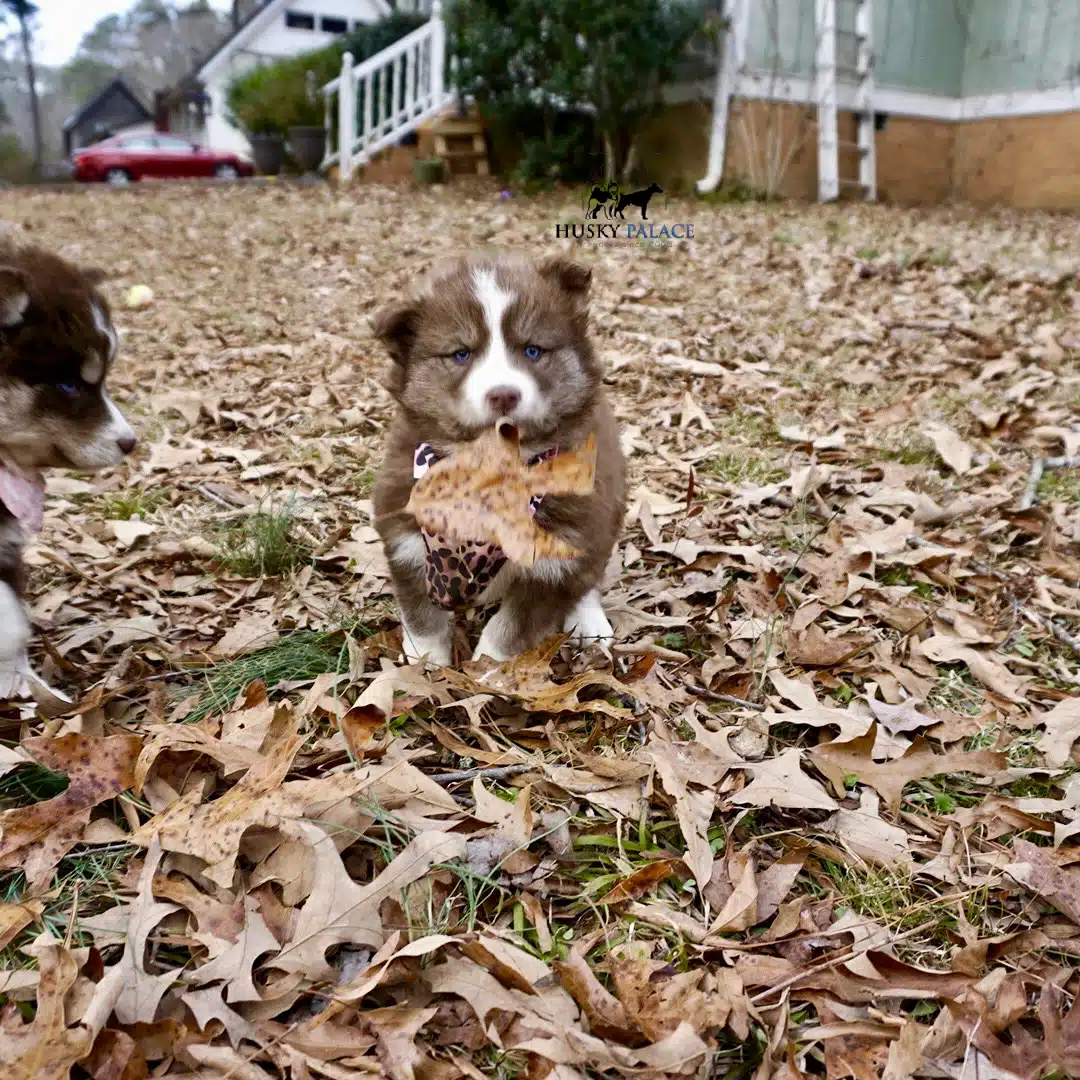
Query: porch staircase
398 91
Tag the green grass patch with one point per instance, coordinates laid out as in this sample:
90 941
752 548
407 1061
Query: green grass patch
262 544
362 481
957 691
741 468
1060 485
133 503
912 450
30 784
303 655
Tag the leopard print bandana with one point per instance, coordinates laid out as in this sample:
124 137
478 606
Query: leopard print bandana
456 574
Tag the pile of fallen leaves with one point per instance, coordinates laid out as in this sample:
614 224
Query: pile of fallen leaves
818 810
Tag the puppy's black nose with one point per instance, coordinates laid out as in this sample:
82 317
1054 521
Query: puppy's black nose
126 444
503 399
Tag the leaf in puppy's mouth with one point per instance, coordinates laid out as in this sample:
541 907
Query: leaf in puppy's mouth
482 492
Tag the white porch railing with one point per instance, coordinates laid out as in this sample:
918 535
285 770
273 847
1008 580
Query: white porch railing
386 96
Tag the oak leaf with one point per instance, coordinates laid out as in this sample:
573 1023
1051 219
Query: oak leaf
47 1048
234 965
889 777
341 910
35 838
138 1001
781 782
482 493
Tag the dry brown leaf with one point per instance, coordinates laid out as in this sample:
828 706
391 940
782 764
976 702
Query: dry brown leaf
141 993
14 918
864 833
889 777
607 1018
340 910
693 809
187 737
956 453
1041 871
36 837
395 1030
640 882
740 910
947 650
659 1000
814 648
780 781
47 1048
1062 725
482 493
208 1004
253 632
234 965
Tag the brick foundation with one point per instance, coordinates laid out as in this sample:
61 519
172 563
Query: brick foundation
1026 161
1030 161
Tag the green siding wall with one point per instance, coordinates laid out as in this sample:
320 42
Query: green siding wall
1022 45
946 47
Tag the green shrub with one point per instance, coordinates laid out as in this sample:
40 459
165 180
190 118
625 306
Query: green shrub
609 61
16 165
270 99
530 152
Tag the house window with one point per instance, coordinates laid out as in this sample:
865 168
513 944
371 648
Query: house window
299 20
331 24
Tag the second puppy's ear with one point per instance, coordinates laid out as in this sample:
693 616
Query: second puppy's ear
395 327
573 276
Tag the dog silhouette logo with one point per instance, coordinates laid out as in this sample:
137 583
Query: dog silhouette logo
638 198
601 196
611 200
604 205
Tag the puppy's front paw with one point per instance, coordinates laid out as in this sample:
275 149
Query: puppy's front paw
14 637
435 648
492 641
587 623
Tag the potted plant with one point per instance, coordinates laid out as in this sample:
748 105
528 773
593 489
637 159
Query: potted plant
268 150
253 108
307 136
428 170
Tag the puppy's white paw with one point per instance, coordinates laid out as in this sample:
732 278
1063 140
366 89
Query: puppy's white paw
435 648
491 643
14 637
587 623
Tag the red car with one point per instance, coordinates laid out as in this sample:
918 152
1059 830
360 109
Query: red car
123 158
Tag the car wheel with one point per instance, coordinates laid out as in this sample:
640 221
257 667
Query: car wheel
117 177
225 171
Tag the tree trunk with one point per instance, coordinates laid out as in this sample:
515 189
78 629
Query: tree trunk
610 164
549 125
31 78
631 160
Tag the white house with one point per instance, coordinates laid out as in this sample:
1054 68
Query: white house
275 29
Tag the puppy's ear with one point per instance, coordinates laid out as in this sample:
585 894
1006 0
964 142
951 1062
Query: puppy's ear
395 327
14 295
573 276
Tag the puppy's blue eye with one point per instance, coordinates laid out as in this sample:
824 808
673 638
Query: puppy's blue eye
461 355
533 352
68 388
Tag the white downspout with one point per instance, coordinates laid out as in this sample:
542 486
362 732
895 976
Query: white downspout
736 15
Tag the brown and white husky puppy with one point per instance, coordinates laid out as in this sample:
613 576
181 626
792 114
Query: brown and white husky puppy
480 338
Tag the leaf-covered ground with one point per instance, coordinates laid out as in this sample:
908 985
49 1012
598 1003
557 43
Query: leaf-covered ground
818 812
